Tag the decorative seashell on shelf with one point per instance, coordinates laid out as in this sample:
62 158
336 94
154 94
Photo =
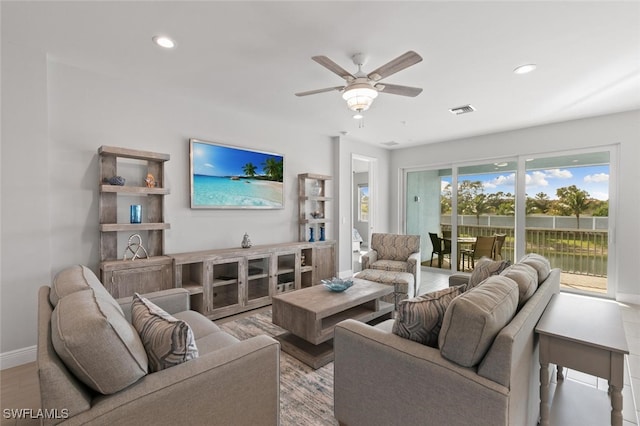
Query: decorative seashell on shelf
150 181
116 180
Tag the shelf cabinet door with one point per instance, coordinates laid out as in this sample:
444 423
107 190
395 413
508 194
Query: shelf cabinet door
286 271
144 279
324 262
259 274
224 287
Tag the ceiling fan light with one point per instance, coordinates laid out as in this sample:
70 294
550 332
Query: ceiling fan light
359 97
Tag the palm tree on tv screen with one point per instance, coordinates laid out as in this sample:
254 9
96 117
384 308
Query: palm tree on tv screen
249 169
273 168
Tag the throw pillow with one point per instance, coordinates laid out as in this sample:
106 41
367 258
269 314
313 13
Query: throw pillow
420 318
167 340
485 268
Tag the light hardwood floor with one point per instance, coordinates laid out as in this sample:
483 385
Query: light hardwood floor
20 384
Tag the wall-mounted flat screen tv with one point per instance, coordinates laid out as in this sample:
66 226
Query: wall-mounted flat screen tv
230 177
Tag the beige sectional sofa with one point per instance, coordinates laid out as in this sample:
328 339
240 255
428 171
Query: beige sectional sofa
382 378
92 370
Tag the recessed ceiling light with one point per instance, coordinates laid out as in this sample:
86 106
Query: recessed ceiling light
164 41
524 69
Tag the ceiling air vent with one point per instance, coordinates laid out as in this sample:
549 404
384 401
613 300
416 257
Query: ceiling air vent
462 110
390 143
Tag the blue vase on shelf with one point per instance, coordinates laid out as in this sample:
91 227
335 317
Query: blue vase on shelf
311 238
321 233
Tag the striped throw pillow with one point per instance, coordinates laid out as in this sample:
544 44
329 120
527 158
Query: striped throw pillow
168 341
420 318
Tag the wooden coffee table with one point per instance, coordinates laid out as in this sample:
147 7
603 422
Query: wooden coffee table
311 314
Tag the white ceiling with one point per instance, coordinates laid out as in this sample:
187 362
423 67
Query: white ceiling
253 57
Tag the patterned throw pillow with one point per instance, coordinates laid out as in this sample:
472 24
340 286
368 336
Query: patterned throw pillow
168 341
420 318
485 268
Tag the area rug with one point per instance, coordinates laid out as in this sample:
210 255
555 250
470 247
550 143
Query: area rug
306 395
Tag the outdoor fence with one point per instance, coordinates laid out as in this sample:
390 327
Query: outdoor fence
576 251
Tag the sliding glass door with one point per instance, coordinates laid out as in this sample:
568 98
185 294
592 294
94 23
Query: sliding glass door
486 208
567 216
557 205
428 210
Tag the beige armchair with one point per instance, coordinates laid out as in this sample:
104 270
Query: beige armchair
394 252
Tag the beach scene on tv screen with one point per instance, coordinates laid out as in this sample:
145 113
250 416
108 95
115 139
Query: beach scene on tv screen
225 176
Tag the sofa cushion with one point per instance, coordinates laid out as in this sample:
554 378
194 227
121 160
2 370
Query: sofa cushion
96 342
167 340
527 279
420 318
473 320
484 268
539 263
78 278
390 265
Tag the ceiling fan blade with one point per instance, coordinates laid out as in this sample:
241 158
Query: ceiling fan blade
398 64
313 92
333 67
395 89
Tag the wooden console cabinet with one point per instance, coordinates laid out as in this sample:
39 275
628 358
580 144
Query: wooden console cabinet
228 281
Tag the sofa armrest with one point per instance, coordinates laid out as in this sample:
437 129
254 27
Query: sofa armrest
381 378
238 384
368 258
173 300
459 278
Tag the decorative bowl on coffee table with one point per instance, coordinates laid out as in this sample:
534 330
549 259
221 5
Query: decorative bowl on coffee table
337 284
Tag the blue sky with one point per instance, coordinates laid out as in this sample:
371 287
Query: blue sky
216 160
593 179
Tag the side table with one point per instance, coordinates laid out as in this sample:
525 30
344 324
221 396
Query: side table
585 334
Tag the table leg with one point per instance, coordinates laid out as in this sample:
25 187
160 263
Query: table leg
544 394
616 405
559 373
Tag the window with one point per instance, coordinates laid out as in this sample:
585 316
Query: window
363 203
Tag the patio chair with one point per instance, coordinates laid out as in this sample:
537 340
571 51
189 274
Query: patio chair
441 247
497 247
482 248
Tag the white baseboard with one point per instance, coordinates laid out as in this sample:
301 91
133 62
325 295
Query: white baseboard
628 298
18 357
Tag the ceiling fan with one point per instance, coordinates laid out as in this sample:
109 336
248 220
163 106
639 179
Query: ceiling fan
361 89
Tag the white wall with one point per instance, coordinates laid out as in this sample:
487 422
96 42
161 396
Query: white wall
54 119
26 184
622 129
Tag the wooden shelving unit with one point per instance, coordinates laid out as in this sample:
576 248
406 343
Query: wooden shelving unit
312 205
124 277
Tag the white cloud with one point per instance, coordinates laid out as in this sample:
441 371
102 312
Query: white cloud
536 178
598 177
443 185
603 196
501 180
209 165
557 173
